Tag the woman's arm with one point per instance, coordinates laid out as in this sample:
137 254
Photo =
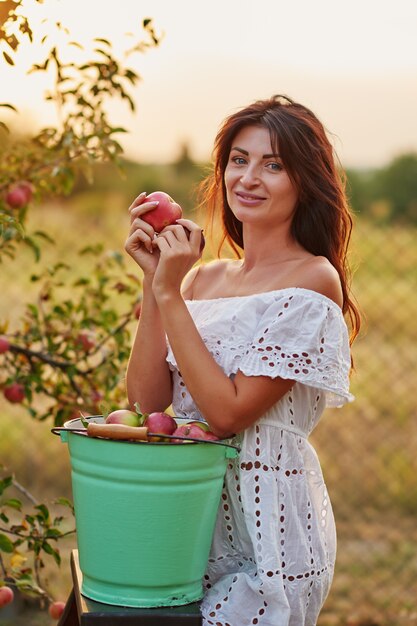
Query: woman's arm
148 379
229 406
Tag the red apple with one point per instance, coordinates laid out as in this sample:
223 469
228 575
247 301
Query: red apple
19 195
182 431
85 340
209 436
199 433
123 416
6 596
165 213
203 425
15 393
4 344
205 428
56 609
27 189
161 424
195 430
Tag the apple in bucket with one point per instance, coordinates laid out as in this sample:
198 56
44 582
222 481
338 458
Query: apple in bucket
160 424
127 424
123 416
195 430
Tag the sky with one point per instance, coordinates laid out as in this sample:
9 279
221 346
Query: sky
353 62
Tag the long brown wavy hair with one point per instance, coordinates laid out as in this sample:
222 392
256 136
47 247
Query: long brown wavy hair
322 221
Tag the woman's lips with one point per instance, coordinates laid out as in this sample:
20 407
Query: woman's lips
249 198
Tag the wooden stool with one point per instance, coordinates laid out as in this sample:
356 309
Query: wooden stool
81 611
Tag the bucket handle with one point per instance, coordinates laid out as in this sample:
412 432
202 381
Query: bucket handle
231 453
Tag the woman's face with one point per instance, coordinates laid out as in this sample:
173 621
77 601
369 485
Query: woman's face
258 188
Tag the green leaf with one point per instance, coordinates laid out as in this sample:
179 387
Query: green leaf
65 502
8 58
104 53
44 513
84 422
5 544
50 550
5 483
13 503
8 106
33 246
102 40
119 129
43 235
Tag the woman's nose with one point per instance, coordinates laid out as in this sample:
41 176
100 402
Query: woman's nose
250 177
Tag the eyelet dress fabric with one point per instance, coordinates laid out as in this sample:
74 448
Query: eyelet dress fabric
273 553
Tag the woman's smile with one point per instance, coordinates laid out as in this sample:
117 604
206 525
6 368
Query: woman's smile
249 199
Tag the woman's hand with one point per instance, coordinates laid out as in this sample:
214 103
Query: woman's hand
139 244
179 248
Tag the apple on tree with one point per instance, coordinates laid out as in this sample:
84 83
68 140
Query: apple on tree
85 340
4 344
56 609
15 392
19 195
6 596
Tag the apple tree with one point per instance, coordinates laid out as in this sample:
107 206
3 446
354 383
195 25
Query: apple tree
68 352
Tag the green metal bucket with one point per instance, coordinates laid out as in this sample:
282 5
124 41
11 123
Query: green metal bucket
145 516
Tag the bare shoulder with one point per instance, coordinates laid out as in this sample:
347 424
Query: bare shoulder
187 286
198 280
318 274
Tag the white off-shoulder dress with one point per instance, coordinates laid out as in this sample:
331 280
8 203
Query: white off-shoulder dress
273 553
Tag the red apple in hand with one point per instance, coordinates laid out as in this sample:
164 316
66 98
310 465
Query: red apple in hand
6 596
123 416
161 424
165 213
56 609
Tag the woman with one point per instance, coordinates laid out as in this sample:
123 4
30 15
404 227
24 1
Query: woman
257 347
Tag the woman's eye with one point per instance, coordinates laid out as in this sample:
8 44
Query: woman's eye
277 167
238 160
